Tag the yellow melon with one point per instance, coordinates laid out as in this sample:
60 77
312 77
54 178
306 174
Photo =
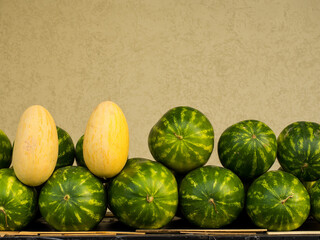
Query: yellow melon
106 140
35 150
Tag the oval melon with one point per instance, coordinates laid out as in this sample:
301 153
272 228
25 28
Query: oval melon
106 140
35 150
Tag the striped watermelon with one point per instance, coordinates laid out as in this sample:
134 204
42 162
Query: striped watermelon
73 199
211 196
5 150
144 194
299 150
79 152
309 185
182 139
248 148
66 149
278 201
18 202
314 192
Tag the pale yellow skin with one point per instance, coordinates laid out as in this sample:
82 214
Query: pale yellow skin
35 150
106 140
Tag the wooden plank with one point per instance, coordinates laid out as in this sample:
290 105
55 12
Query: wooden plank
220 233
202 230
293 232
67 233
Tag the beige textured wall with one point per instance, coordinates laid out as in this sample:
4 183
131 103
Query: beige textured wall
232 60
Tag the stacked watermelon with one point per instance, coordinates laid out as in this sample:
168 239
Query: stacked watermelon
144 194
5 150
148 194
248 148
66 152
73 199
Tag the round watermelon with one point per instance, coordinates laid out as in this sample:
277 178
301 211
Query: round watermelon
79 152
314 192
5 150
66 152
278 201
299 150
248 148
211 196
144 194
18 202
182 139
73 199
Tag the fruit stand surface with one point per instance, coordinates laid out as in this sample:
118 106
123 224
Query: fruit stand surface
110 228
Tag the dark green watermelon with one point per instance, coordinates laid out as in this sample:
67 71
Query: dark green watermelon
182 139
211 196
5 150
79 152
314 192
18 202
144 194
66 153
248 148
278 201
73 199
299 150
308 185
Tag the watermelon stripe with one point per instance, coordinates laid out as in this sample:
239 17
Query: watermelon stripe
265 206
205 184
182 139
298 150
129 193
248 148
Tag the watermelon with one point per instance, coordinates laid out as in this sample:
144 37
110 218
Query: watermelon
248 148
18 202
73 199
309 184
211 196
315 200
278 201
79 152
66 152
183 139
5 150
144 194
299 150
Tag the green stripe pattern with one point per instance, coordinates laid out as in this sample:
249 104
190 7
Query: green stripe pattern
144 194
5 150
66 149
278 201
79 152
73 199
248 148
314 192
211 196
299 150
18 202
182 139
